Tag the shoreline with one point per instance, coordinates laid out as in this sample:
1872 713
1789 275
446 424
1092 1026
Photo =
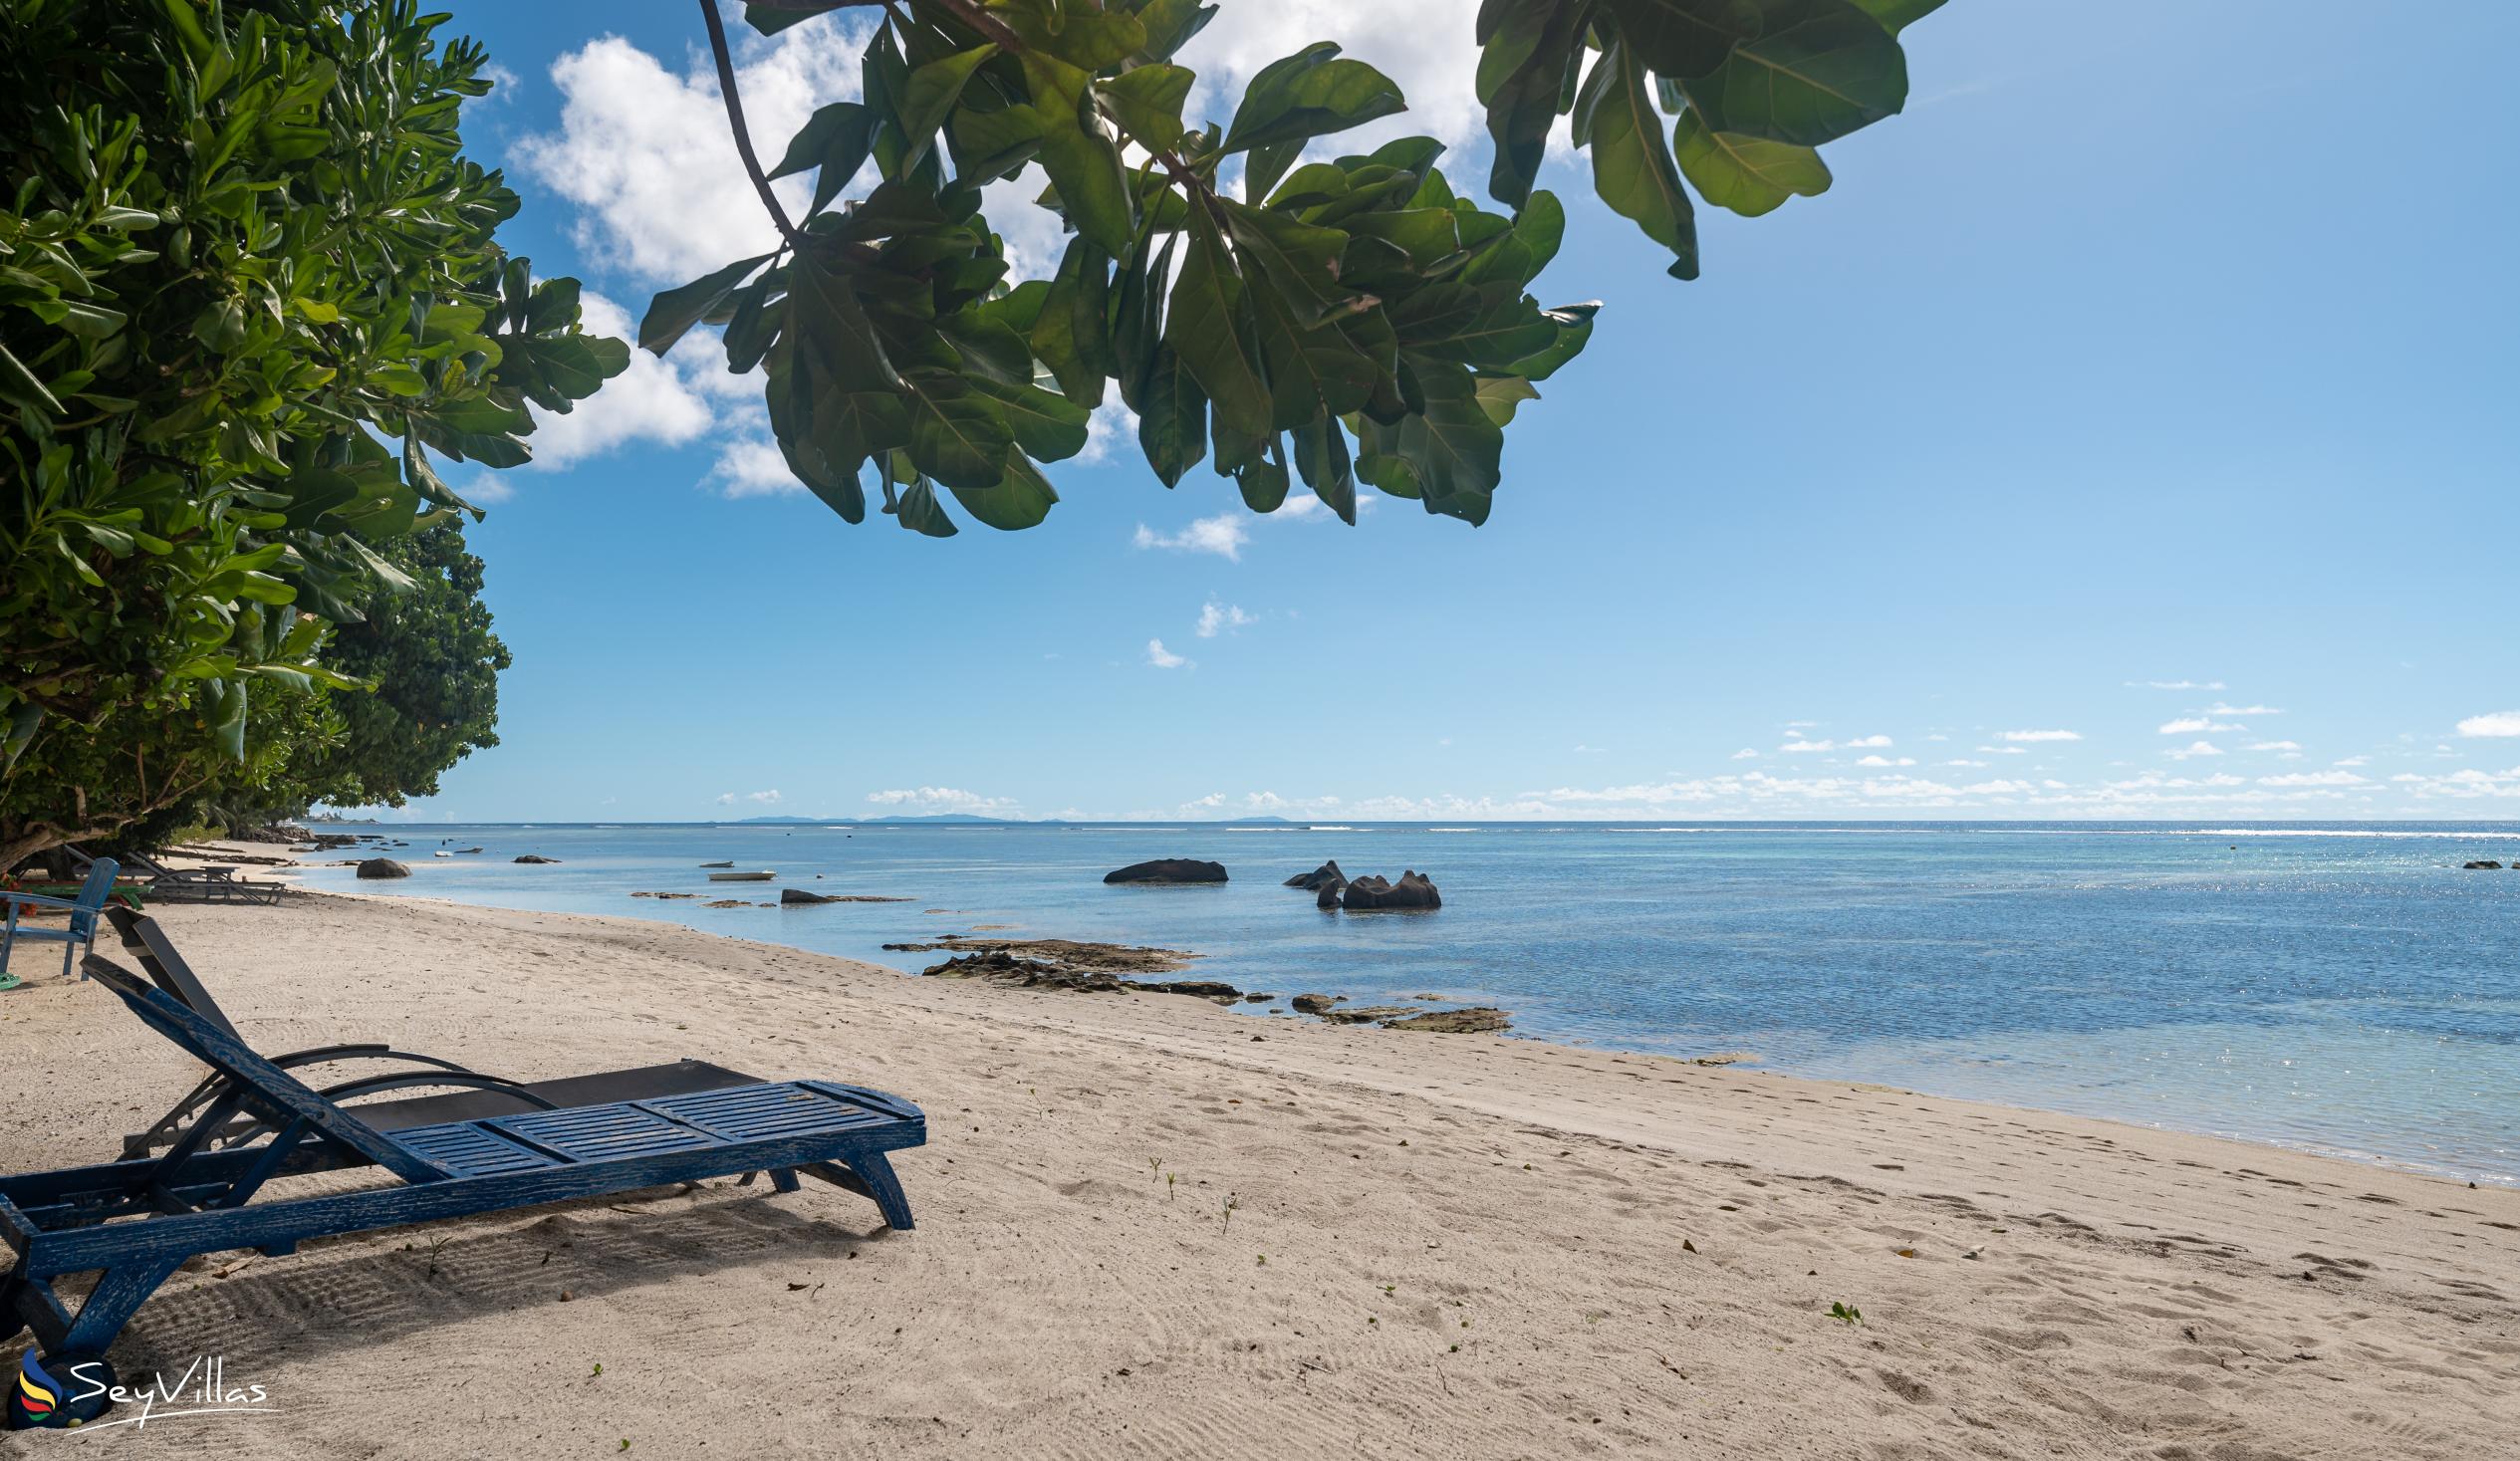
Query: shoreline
2028 1280
2335 1148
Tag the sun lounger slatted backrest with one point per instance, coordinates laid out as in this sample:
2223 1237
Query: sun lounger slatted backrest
166 968
217 1047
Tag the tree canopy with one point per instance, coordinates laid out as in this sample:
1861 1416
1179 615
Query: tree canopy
249 287
1278 313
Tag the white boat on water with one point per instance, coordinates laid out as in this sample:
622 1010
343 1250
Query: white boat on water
741 877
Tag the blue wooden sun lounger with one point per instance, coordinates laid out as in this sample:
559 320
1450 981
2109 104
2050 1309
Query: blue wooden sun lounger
133 1222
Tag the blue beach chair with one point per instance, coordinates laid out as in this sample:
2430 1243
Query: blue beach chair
79 937
476 1150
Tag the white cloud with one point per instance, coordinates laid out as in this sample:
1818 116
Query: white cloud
2223 710
2176 685
2190 724
657 402
2022 736
2274 746
1163 659
2314 779
1223 535
1868 743
2499 723
766 799
943 799
2200 748
1215 618
753 466
1980 764
1208 803
1426 46
1111 423
646 153
1802 747
2353 761
1745 754
1886 761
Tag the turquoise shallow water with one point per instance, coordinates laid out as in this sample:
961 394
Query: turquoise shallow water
2346 990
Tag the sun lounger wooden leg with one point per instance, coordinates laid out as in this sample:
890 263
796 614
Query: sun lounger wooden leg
119 1294
783 1179
876 1171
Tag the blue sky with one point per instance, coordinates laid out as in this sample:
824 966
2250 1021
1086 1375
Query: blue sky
2127 433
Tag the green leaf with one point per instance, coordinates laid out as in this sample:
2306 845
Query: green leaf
1574 325
1083 161
1452 445
1823 70
675 310
1320 456
1685 38
1171 24
1264 483
1632 169
1500 395
1299 261
1307 94
1749 175
1522 84
1173 420
1092 38
813 140
933 91
1021 499
1262 169
226 710
18 383
922 512
1147 102
957 435
1048 428
1898 15
1206 330
832 336
1071 333
1137 320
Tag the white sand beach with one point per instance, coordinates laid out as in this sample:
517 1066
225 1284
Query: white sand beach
1148 1227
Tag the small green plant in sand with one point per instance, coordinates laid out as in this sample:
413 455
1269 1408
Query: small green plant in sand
1232 1202
1846 1313
1171 1181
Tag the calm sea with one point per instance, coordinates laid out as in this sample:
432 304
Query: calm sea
2349 991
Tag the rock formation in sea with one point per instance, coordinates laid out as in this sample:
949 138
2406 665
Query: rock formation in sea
383 868
1312 882
537 857
1414 890
1168 870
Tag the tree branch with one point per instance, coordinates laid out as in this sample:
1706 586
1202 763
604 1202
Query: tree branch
735 116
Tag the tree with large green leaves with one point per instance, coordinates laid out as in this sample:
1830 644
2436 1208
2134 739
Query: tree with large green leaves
249 287
1259 300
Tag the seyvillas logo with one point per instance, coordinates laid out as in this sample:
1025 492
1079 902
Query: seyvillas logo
80 1392
37 1397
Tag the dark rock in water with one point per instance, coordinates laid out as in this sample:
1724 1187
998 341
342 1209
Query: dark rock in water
1327 873
1204 988
1327 896
1168 870
1314 1004
668 897
1414 890
1062 953
2487 866
1478 1019
1000 967
383 868
1369 1014
537 857
1257 998
790 897
459 851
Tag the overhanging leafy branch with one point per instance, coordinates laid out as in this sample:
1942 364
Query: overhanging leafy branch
1342 320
